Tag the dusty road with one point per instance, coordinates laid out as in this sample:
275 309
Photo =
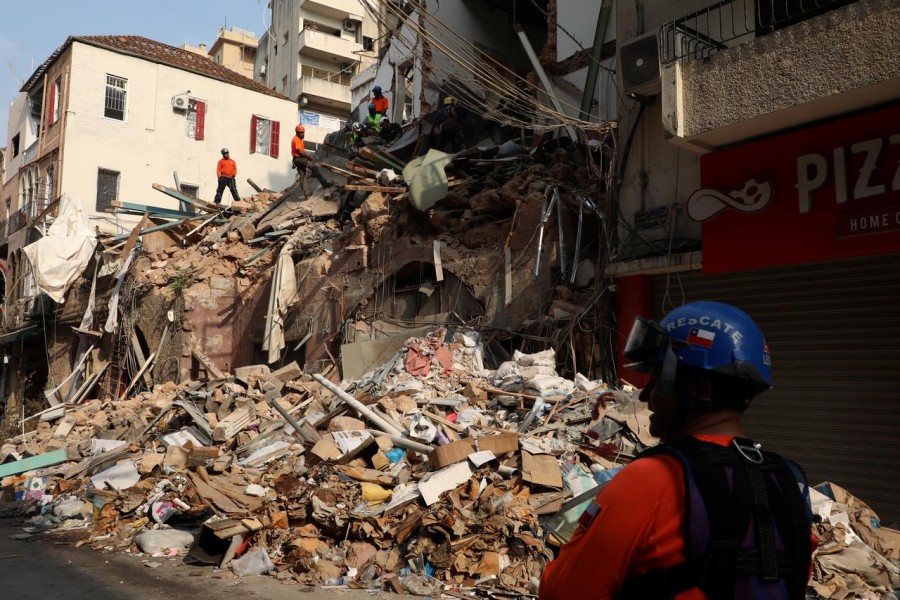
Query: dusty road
46 568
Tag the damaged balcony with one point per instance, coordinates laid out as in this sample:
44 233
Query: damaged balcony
329 89
730 71
336 9
324 46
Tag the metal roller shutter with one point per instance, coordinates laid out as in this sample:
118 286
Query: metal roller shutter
833 330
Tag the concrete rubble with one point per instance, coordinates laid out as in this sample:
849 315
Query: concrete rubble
323 388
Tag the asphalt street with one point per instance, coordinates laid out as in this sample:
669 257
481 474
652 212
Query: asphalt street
50 567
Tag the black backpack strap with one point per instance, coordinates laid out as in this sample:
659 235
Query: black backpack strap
737 482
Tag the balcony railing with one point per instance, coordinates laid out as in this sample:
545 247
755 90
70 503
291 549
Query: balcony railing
729 23
15 222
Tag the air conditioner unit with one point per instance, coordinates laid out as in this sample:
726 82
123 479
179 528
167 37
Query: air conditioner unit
349 25
639 63
181 102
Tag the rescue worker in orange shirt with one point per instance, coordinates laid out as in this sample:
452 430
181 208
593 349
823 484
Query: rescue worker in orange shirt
380 101
226 172
707 514
302 160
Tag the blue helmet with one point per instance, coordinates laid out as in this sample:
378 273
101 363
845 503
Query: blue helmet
371 106
377 89
709 336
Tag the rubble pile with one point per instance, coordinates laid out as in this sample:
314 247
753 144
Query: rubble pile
431 472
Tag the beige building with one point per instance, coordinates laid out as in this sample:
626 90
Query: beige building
235 49
104 118
309 54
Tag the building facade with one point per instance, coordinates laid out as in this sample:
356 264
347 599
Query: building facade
310 52
763 173
235 49
107 117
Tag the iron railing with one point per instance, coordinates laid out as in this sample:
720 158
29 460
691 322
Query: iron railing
727 23
15 222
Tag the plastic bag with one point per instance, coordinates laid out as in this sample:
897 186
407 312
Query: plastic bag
255 562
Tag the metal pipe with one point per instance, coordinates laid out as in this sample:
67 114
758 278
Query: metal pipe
287 417
358 406
402 442
590 82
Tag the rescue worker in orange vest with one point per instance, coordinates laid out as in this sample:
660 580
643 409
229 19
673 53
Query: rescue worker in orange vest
707 514
380 101
302 160
226 172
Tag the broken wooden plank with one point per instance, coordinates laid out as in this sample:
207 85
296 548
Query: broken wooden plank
374 188
232 424
139 374
212 371
207 206
344 172
146 208
252 183
139 353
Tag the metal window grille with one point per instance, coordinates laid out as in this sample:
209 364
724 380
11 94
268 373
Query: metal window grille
114 106
263 136
107 189
192 120
727 23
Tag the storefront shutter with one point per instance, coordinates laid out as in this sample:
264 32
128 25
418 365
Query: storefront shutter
833 329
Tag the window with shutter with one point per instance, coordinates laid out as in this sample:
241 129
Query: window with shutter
51 100
201 120
253 134
276 138
57 93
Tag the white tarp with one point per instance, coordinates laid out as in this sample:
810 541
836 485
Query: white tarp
62 255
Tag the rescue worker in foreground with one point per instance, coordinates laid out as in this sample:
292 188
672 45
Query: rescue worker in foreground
707 514
301 159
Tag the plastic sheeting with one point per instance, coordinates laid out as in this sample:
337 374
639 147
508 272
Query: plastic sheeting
59 258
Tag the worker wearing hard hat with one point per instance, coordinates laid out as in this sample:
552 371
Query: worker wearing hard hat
303 160
380 101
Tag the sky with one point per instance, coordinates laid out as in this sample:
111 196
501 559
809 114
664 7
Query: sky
31 30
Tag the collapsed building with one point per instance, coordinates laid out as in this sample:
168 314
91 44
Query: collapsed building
524 234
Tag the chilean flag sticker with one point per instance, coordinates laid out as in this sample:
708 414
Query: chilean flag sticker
701 337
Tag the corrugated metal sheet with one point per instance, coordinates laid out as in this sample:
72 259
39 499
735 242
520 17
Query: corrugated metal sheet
834 333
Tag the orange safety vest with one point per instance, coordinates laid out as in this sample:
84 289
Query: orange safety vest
226 168
298 148
381 104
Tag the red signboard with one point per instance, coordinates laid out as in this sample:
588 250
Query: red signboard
829 191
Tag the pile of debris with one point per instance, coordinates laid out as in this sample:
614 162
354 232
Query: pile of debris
426 474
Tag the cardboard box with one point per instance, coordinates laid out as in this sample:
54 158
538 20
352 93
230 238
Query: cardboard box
451 453
498 444
541 469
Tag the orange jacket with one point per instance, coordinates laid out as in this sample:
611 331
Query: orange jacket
381 104
298 148
226 168
638 529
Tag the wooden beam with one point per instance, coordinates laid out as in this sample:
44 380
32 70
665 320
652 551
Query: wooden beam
207 364
139 374
375 188
142 208
207 206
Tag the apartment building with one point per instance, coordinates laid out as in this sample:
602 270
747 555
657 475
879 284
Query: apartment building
235 49
310 52
104 118
763 173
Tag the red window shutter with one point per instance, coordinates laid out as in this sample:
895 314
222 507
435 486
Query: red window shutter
50 105
253 134
201 120
276 138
